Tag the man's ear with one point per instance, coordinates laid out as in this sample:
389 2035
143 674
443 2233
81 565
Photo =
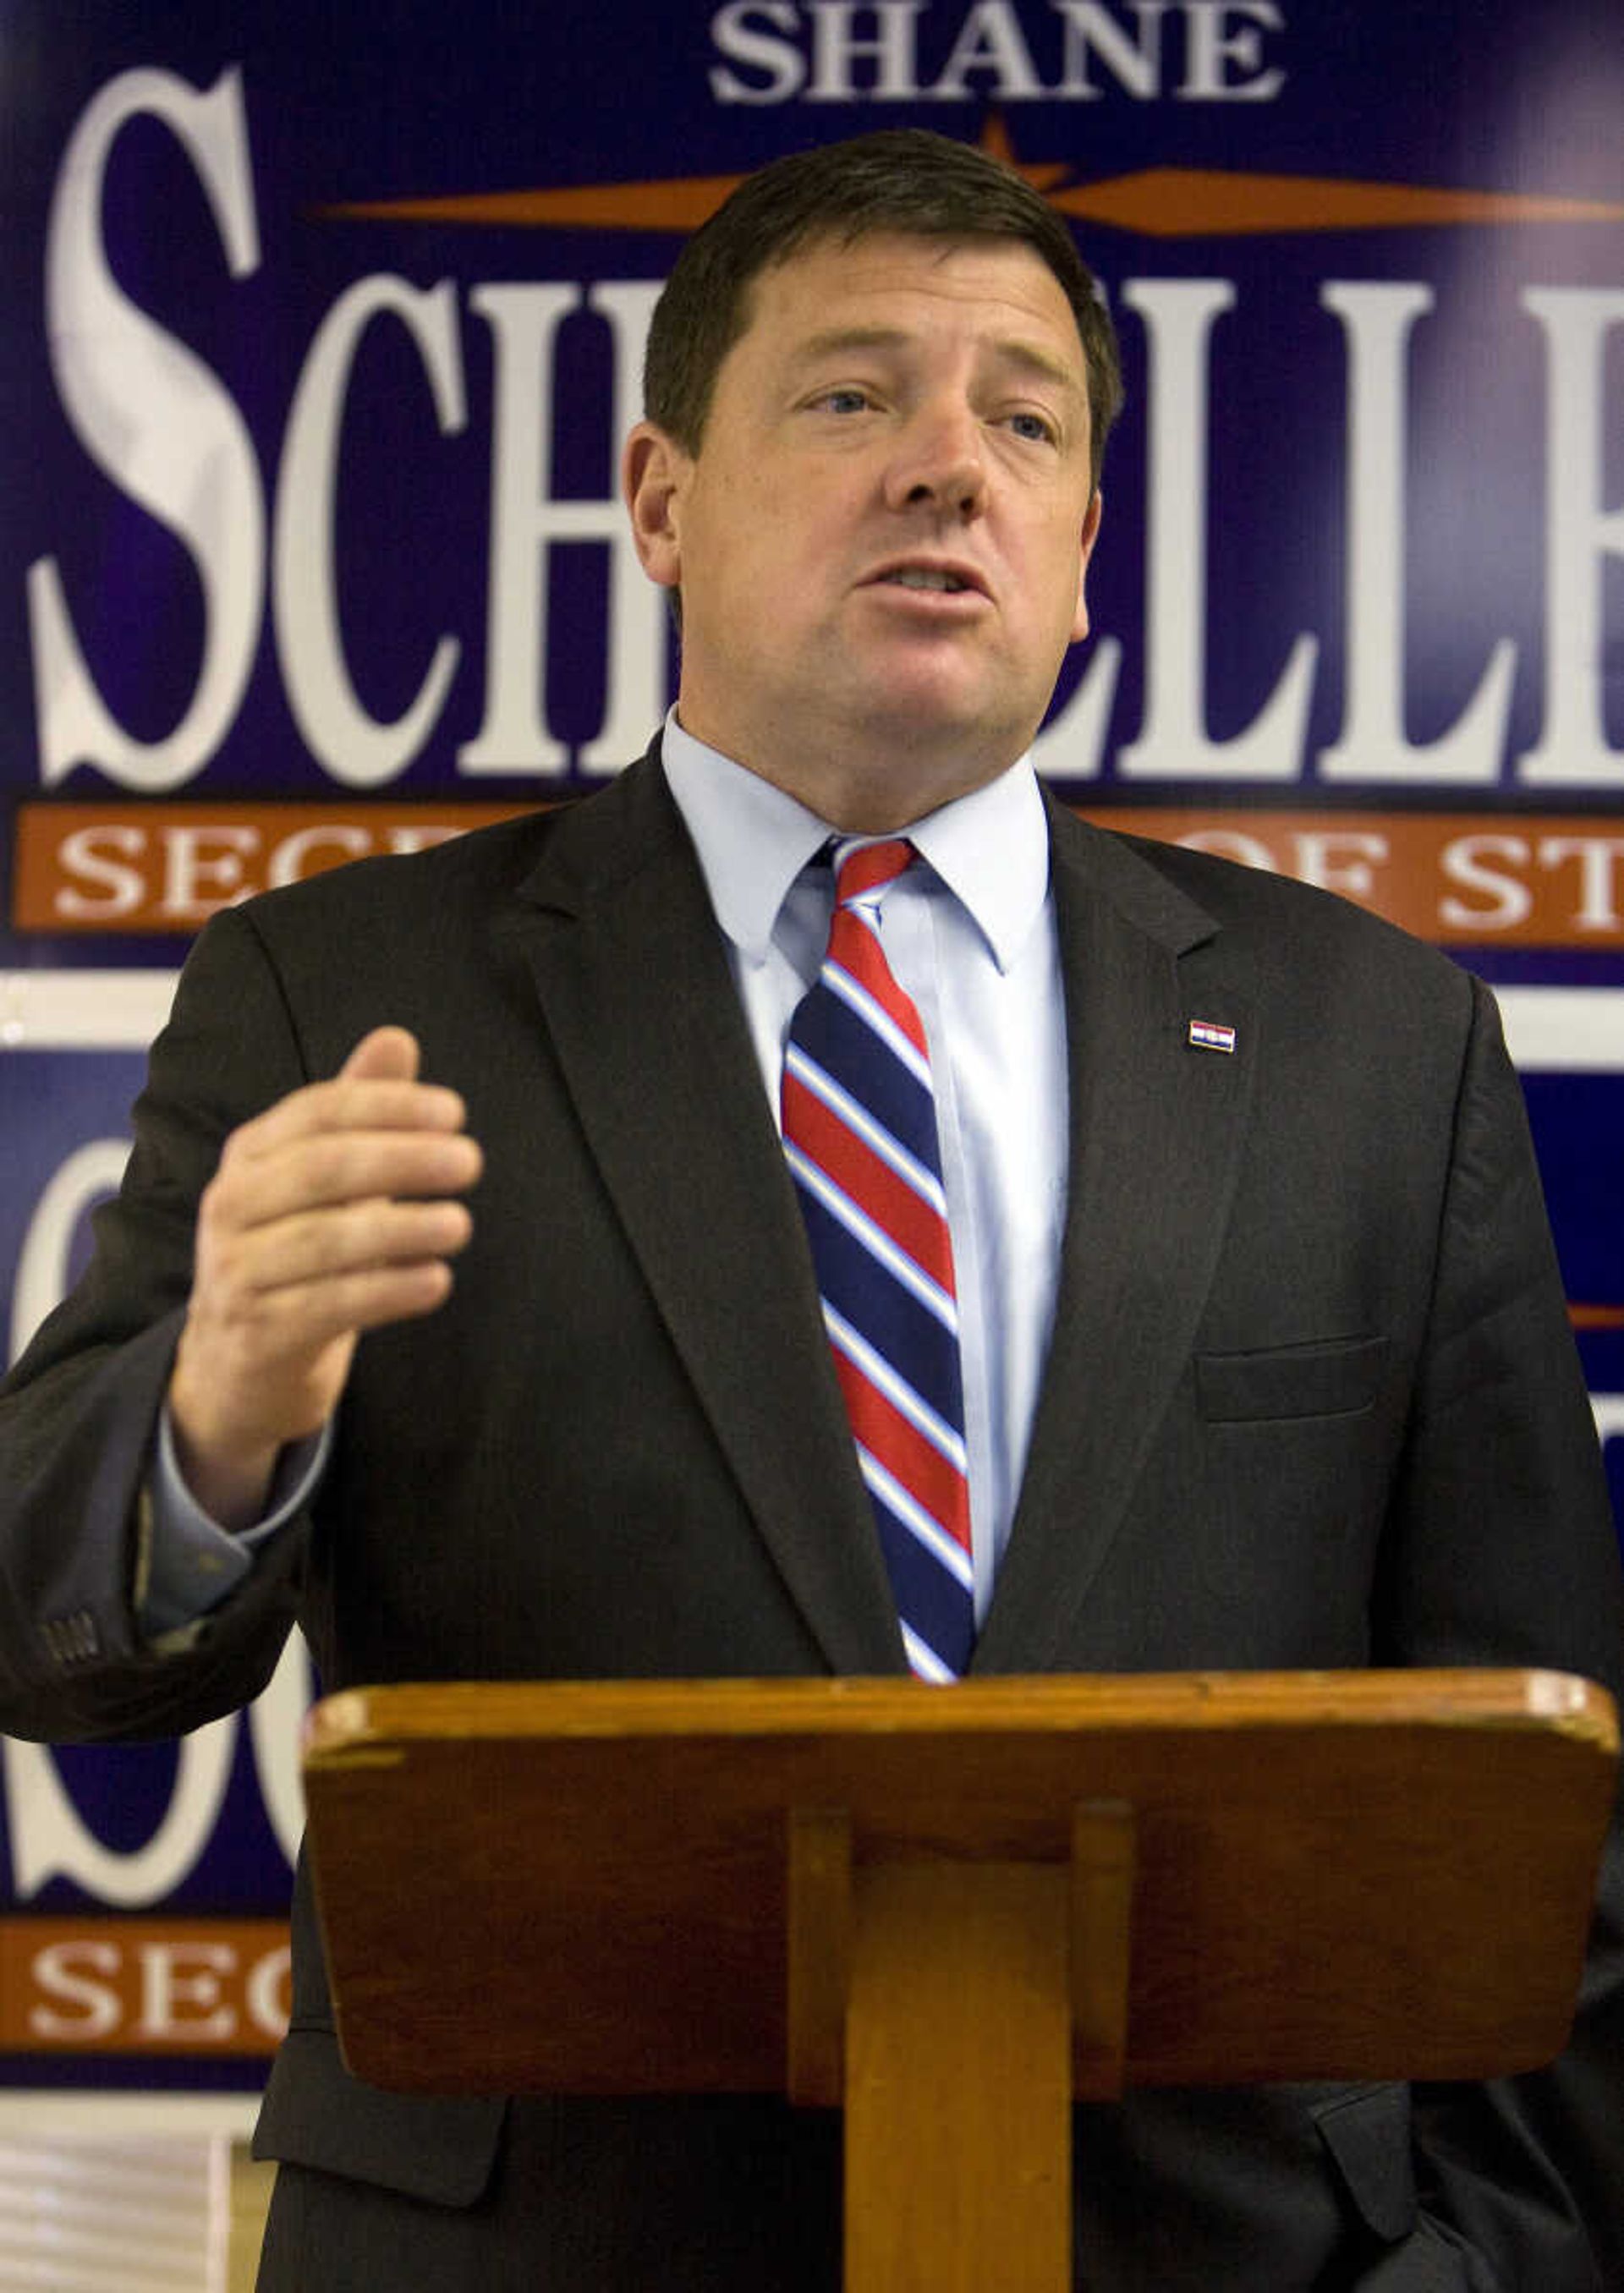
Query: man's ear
1091 534
651 471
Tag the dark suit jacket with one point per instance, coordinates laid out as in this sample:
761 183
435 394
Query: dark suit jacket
1310 1401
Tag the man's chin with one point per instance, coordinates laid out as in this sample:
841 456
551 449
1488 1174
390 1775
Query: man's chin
907 765
930 719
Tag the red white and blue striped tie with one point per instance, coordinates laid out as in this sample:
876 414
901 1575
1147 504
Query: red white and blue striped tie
860 1133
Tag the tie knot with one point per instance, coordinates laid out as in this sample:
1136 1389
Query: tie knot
868 868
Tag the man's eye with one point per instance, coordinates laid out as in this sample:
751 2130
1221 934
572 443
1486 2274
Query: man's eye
846 400
1037 426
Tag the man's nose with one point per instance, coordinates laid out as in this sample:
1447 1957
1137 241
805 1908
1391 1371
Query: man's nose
940 461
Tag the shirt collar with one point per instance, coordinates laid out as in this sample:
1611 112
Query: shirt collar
991 848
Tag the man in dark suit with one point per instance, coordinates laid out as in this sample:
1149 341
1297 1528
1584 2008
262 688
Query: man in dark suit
1265 1351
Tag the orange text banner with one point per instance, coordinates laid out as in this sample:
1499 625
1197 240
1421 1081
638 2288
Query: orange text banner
117 1986
1490 879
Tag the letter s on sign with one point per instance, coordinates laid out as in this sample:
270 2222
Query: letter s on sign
1465 861
780 61
152 414
68 1971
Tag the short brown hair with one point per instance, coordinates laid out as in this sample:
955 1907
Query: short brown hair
908 180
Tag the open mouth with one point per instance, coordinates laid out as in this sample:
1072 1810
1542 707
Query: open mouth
938 580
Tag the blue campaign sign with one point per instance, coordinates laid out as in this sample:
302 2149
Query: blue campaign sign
1359 536
323 330
1579 1132
205 1829
64 1116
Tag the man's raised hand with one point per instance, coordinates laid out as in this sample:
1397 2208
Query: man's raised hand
334 1210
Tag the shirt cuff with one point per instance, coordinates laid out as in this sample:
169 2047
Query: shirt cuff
189 1564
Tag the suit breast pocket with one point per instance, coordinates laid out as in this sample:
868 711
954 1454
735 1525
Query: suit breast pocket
1335 1377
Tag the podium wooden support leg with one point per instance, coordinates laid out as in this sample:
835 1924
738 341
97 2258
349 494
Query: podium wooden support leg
1104 1848
959 2080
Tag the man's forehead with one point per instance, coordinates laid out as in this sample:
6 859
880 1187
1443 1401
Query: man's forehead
922 251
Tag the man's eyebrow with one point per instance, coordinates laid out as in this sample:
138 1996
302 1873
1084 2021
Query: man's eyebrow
832 341
1015 350
1033 358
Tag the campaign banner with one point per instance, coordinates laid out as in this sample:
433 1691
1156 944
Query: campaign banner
144 1887
313 403
322 333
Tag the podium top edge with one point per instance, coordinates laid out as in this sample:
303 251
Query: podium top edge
396 1716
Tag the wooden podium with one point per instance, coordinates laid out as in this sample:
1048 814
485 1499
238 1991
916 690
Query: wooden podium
952 1910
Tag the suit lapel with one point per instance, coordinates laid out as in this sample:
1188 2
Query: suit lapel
630 966
1156 1126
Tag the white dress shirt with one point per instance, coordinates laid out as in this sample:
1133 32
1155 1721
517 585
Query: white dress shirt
970 936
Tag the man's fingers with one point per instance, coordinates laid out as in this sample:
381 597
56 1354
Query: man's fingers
376 1088
387 1055
296 1322
330 1168
351 1103
356 1237
371 1129
334 1211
